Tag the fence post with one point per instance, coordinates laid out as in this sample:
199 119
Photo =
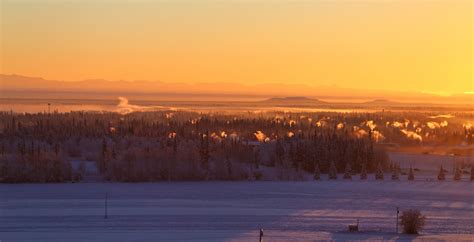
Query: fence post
398 211
106 198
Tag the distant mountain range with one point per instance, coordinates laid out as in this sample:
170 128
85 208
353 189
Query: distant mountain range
382 102
313 102
293 100
17 86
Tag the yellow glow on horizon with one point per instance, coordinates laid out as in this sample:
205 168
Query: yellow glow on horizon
391 45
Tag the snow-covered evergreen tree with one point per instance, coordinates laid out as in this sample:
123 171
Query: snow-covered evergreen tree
279 152
441 174
332 170
204 153
347 171
256 159
472 172
379 172
457 174
411 174
363 171
317 172
396 172
104 157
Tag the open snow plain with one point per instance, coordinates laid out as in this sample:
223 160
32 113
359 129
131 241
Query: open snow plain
233 211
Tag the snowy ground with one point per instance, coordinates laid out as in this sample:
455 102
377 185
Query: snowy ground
233 211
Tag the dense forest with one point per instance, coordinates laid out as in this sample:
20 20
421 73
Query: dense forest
166 146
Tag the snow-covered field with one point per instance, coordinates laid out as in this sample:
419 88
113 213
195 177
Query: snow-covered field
233 211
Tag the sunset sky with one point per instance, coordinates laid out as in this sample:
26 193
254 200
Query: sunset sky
406 45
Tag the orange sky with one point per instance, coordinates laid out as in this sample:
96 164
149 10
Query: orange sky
407 45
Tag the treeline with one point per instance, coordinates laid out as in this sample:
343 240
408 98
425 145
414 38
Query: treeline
207 158
34 165
158 146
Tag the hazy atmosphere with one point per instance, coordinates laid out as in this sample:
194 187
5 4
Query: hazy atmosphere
412 46
236 120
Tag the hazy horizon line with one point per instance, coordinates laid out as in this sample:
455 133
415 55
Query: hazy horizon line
430 92
15 84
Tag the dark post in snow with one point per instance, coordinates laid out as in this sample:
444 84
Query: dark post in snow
106 196
261 235
398 211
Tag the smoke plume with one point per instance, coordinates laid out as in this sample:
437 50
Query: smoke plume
371 124
443 116
340 126
260 136
124 107
412 135
377 136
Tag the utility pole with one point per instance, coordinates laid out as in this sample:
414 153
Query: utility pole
398 211
106 197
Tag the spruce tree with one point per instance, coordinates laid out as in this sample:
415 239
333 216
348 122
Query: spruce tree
396 172
472 172
256 159
370 153
441 175
104 158
317 172
56 170
411 174
379 172
457 174
300 155
332 171
363 172
347 171
279 152
204 152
